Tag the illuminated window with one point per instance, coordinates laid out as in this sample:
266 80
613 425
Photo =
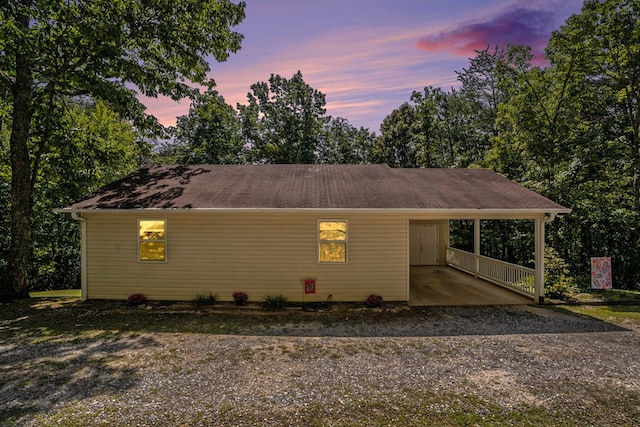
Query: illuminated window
152 240
332 241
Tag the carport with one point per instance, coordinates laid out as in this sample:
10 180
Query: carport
478 196
444 285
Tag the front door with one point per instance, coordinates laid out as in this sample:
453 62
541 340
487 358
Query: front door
423 244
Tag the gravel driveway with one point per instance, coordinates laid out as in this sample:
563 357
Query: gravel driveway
438 366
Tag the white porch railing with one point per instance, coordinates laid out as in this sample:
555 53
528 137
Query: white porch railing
516 277
460 259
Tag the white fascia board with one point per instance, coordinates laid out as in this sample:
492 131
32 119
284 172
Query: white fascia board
441 213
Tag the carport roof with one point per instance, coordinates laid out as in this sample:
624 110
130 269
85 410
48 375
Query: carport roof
324 187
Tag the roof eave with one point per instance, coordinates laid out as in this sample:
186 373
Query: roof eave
451 213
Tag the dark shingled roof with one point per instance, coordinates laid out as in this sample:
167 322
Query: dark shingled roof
313 187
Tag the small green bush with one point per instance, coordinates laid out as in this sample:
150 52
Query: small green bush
276 303
562 288
558 283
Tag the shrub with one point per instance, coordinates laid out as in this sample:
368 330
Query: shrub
558 283
201 300
276 303
373 301
240 298
583 283
562 288
136 299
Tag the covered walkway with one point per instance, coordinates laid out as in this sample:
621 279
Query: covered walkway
441 285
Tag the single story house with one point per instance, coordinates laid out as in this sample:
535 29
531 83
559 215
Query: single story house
307 232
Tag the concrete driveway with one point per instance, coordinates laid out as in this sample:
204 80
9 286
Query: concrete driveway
439 286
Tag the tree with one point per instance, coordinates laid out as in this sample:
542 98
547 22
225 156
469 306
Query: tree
534 140
427 132
283 121
481 85
481 93
429 150
399 145
99 148
210 133
446 129
538 118
5 195
102 48
570 132
96 147
602 43
342 143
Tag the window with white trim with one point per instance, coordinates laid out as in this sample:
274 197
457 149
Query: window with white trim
332 241
152 239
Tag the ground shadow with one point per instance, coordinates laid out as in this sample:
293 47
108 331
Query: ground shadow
46 363
452 321
345 320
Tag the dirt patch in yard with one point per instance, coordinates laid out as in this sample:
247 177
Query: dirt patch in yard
69 363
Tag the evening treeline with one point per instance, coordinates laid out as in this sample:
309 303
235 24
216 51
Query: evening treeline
568 130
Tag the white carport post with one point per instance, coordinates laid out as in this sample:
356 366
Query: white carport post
539 259
476 247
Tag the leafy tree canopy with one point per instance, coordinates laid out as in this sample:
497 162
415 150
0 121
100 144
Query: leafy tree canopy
342 143
111 50
210 133
283 120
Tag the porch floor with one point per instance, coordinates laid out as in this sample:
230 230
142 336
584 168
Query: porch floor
441 285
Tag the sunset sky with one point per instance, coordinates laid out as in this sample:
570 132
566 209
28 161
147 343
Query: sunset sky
367 56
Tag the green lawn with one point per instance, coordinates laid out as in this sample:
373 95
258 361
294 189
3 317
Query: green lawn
610 295
622 314
64 293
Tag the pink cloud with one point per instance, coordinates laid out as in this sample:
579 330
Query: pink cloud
517 27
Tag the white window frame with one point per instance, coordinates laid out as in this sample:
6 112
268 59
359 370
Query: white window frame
345 241
164 241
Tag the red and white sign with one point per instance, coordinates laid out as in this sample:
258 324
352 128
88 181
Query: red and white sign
309 286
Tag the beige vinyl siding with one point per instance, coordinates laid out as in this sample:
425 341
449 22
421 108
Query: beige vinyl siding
255 252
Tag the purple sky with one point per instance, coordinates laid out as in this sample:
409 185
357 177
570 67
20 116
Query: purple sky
367 56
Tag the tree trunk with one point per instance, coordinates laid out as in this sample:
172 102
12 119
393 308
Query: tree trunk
21 189
635 146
